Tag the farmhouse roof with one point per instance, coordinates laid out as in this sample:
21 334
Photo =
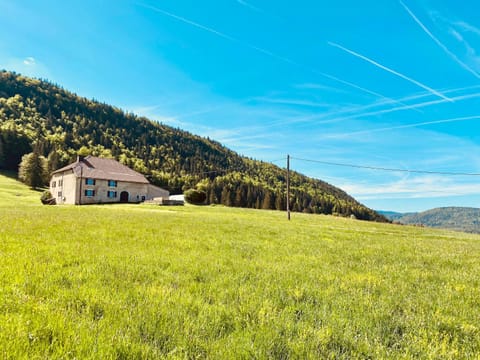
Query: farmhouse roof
102 168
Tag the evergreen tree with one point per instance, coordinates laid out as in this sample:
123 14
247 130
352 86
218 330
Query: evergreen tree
33 170
241 196
280 201
53 161
14 146
268 200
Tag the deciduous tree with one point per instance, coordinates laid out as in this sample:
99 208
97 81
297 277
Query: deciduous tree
33 170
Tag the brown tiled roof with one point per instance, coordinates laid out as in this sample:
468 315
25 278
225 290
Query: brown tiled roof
105 169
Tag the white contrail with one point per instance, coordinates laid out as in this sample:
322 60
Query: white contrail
363 132
265 51
444 91
222 35
373 62
439 43
407 107
182 19
356 87
250 6
336 116
404 106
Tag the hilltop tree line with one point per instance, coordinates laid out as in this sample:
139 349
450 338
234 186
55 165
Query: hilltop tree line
35 114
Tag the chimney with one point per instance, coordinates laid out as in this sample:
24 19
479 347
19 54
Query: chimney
80 158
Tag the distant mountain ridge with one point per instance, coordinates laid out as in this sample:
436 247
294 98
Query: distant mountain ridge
455 218
35 114
391 215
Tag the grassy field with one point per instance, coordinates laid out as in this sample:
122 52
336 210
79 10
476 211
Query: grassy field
138 281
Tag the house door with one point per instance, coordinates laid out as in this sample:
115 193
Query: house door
124 197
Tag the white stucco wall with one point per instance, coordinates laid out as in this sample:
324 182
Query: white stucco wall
69 189
136 192
65 187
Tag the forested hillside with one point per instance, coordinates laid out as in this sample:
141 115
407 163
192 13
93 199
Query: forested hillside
455 218
36 114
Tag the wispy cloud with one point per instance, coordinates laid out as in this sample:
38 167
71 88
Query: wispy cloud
439 43
29 61
406 126
411 188
355 86
456 35
246 140
317 86
339 113
342 113
407 107
29 66
471 53
422 95
468 27
243 140
294 102
383 67
152 113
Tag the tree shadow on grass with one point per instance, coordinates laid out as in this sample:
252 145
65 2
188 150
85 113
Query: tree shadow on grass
9 173
14 176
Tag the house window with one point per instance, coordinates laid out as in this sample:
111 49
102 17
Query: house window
54 183
89 181
59 195
111 194
60 183
112 183
89 193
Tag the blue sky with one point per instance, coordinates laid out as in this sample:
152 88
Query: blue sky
391 84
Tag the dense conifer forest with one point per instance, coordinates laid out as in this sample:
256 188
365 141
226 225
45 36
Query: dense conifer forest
38 115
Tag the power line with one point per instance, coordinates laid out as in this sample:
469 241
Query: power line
232 169
277 160
388 169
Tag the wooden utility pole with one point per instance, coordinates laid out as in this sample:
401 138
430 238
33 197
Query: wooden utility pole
288 187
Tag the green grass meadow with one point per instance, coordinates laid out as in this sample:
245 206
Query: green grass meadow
148 282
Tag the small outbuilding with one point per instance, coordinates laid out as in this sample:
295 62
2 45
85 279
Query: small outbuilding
94 180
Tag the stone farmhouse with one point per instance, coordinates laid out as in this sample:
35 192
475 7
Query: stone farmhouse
94 180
